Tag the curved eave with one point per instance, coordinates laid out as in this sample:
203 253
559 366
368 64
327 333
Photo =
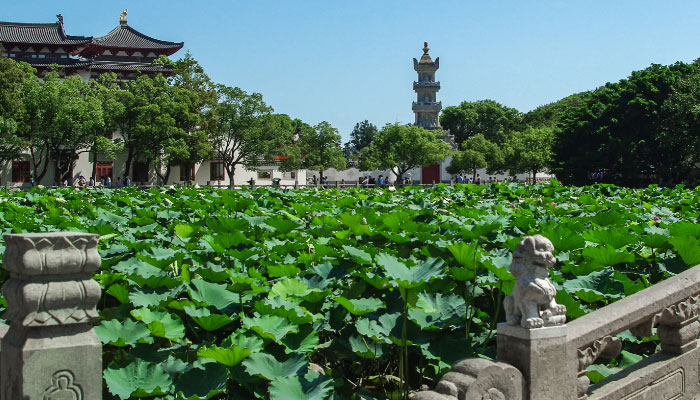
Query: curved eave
94 49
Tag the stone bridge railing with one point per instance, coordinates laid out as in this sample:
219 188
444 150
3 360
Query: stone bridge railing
549 362
50 350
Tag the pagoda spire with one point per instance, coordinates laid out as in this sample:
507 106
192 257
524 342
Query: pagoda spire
426 107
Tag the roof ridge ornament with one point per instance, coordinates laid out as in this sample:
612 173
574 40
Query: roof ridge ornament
425 48
122 16
60 19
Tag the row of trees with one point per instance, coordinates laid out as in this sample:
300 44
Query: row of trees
643 129
179 120
162 122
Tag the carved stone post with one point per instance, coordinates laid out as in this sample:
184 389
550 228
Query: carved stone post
540 355
51 351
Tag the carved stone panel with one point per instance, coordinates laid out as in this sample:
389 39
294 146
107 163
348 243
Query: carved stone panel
63 387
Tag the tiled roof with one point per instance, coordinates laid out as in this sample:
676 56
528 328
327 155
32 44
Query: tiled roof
119 66
17 32
45 62
124 36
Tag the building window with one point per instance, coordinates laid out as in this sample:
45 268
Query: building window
264 174
216 171
290 175
21 171
187 172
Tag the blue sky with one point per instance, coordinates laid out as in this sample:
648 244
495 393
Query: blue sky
346 61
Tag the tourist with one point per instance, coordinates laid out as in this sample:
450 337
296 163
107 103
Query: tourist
381 180
460 179
91 183
127 181
108 181
313 179
119 182
31 181
478 179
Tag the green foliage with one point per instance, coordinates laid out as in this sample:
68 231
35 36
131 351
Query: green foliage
619 134
320 147
484 117
403 147
323 294
361 136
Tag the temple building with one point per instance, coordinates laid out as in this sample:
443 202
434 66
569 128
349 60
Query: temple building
426 107
123 51
127 52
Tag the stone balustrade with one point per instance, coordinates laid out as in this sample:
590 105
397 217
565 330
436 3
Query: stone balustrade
541 358
50 350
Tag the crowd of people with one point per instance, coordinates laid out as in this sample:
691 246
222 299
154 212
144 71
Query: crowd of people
82 182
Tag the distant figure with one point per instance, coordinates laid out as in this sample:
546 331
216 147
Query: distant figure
108 181
313 179
91 183
119 182
460 179
381 180
127 181
342 181
478 179
31 182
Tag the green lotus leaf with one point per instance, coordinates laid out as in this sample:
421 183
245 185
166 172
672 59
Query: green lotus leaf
137 379
360 306
228 356
267 366
161 323
408 278
270 326
213 294
123 334
298 388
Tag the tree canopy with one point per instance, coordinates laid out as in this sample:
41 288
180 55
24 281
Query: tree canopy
361 136
403 147
486 117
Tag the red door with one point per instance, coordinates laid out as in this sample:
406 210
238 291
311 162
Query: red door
430 174
103 169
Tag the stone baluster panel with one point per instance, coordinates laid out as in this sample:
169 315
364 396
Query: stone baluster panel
50 351
678 326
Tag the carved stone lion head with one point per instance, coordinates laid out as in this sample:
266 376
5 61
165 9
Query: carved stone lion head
533 256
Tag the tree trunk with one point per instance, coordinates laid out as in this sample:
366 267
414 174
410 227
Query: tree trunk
94 163
320 177
534 176
231 170
129 159
167 175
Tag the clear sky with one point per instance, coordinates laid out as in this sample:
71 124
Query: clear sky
345 61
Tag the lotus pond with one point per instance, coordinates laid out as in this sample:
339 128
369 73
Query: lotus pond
344 294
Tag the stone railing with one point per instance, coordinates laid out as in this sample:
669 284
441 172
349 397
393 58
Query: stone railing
539 357
50 350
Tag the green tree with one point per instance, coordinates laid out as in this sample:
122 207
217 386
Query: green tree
401 148
14 78
530 151
320 148
679 137
475 152
616 129
195 101
65 113
361 136
156 138
107 91
487 117
243 133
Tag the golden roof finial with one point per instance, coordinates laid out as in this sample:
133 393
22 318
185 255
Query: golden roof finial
122 16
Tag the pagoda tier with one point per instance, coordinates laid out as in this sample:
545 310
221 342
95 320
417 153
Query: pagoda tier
40 41
426 107
126 42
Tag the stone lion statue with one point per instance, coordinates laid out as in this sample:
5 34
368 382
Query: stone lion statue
532 302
